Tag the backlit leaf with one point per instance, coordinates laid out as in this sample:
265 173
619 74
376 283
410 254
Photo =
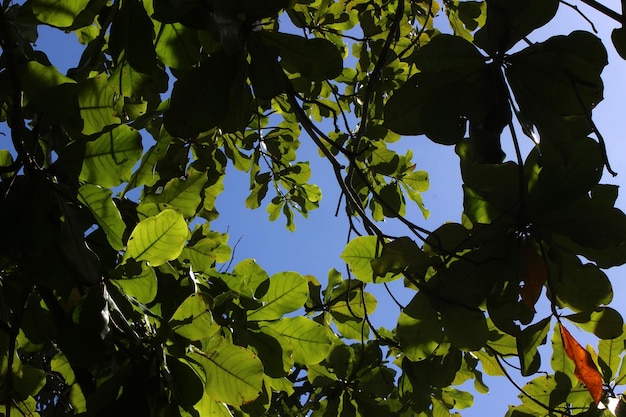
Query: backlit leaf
536 275
96 99
234 375
527 343
311 341
59 13
586 370
359 254
158 239
287 292
99 202
108 160
185 194
193 319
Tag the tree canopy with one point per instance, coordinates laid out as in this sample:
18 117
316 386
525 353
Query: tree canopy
117 296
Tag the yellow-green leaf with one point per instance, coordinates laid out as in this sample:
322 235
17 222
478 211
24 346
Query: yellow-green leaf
158 239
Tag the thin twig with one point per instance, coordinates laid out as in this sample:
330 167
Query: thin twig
522 391
577 10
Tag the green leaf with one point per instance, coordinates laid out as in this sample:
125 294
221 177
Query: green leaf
587 224
609 351
131 37
581 287
29 382
158 239
287 292
301 55
275 352
246 277
186 380
193 319
566 81
176 45
146 173
465 327
311 341
234 375
559 360
95 100
108 217
109 159
60 364
59 13
359 254
419 330
204 253
604 322
527 343
200 98
509 21
184 194
454 77
139 283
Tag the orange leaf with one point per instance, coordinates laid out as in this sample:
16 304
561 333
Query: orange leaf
536 275
586 370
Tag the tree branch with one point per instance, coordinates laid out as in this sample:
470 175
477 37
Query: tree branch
604 10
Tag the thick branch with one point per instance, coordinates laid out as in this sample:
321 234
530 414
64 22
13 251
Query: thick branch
604 10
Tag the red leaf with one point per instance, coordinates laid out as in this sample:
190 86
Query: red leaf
536 275
586 370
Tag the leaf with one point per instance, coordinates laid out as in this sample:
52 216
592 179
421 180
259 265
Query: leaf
184 194
581 287
28 382
109 159
586 370
604 322
193 319
59 13
246 277
288 291
176 45
359 254
465 327
131 37
186 380
204 253
108 217
453 77
419 329
311 341
618 36
303 55
137 281
234 375
95 100
146 173
609 351
509 21
527 343
275 352
200 97
61 365
158 239
536 275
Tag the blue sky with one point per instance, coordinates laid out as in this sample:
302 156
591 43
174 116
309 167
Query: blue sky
315 246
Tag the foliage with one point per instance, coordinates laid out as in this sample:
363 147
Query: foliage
117 296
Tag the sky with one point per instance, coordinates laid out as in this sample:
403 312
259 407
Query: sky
315 246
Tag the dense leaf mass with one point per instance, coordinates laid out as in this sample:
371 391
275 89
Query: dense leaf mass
117 296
